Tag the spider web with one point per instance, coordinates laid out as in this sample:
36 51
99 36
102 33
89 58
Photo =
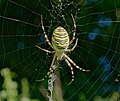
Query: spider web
98 47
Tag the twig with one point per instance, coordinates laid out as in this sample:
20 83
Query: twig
57 87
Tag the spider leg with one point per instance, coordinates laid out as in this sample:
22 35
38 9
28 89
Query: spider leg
74 29
51 70
52 66
68 50
45 49
45 33
68 63
71 61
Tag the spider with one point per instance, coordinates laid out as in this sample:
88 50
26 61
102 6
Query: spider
60 44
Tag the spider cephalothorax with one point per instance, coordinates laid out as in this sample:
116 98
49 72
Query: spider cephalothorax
60 44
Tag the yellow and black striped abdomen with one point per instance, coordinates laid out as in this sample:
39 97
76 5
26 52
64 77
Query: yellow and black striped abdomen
60 39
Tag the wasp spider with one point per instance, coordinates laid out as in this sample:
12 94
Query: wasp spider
60 44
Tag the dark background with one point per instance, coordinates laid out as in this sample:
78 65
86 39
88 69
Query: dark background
98 48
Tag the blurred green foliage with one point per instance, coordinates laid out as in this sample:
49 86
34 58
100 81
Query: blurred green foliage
10 88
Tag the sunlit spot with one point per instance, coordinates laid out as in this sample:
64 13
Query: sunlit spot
20 45
103 22
92 36
103 60
118 88
104 76
105 88
107 67
91 1
42 38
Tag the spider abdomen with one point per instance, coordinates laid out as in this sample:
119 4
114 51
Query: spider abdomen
60 39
